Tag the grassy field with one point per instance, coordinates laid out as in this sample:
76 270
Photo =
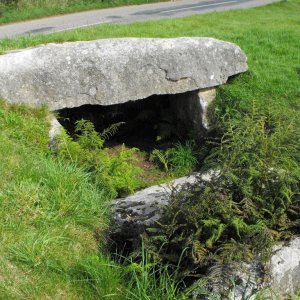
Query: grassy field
20 10
53 217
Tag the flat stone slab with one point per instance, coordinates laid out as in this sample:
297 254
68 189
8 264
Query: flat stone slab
113 71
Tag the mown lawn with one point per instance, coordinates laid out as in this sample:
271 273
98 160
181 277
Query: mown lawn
52 217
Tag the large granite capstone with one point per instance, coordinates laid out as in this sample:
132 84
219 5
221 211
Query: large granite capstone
112 71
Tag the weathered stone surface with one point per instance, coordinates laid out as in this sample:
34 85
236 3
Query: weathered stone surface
249 279
206 98
285 268
112 71
281 275
279 278
191 109
133 214
55 130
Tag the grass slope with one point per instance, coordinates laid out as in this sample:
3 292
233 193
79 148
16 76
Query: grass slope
49 211
31 9
49 215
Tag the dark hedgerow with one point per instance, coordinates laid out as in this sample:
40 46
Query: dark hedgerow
251 201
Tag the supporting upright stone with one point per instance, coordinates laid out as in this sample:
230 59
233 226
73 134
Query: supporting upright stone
206 98
191 110
55 130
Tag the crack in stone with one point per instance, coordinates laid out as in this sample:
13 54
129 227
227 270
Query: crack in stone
175 80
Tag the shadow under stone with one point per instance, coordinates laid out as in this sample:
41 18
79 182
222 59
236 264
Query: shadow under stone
153 122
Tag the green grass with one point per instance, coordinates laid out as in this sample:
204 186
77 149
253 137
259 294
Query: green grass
51 215
32 9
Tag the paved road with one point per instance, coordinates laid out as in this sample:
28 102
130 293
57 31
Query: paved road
125 14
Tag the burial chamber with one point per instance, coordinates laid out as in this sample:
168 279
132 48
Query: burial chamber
110 76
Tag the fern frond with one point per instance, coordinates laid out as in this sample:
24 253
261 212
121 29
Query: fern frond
199 252
111 130
161 157
220 273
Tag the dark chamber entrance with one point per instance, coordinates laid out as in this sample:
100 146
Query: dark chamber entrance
148 123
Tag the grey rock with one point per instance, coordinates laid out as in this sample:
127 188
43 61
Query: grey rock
206 98
284 269
133 214
249 278
279 278
191 110
112 71
54 131
239 281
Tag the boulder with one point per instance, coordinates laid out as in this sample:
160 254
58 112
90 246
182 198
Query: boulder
284 269
132 215
114 71
278 278
239 281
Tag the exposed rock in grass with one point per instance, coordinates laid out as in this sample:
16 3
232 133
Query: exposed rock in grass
113 71
279 278
132 215
285 268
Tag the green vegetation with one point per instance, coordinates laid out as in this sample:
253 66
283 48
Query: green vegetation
119 171
54 211
49 211
116 173
251 201
179 160
18 10
151 282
